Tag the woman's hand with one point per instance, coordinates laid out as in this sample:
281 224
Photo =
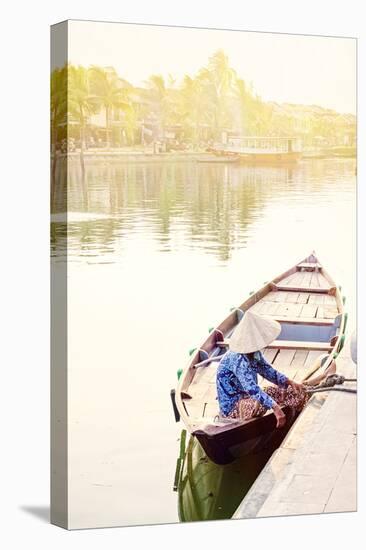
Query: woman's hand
295 385
280 416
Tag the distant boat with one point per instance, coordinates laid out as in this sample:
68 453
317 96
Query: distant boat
313 155
309 306
218 159
261 150
341 151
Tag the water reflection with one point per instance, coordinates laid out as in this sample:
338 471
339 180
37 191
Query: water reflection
209 207
207 491
156 254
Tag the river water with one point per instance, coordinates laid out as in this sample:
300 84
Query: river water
157 254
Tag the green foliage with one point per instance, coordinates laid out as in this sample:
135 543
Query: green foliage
58 105
107 90
199 108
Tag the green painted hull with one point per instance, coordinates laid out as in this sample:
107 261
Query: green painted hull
208 491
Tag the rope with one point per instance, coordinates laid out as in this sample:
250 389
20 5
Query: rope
331 381
318 390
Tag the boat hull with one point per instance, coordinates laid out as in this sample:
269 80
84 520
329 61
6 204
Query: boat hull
270 158
247 439
214 159
252 157
310 308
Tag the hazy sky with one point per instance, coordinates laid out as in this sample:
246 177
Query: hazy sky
283 68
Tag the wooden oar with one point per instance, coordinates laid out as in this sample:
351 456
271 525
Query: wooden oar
209 360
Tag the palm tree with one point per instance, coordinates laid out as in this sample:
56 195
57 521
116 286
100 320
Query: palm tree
158 98
218 80
263 113
58 115
81 103
245 104
192 102
58 103
108 91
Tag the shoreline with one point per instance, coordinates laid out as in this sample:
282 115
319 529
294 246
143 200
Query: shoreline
191 156
134 156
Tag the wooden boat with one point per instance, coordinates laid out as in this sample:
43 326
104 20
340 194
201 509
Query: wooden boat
218 159
309 306
262 150
343 152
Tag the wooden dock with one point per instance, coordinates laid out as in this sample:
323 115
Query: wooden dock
314 470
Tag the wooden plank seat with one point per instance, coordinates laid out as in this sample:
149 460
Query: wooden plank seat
309 265
297 344
291 344
299 288
303 320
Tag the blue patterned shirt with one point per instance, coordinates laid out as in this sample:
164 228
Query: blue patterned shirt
237 377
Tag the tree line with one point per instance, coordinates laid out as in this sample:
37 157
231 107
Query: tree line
202 106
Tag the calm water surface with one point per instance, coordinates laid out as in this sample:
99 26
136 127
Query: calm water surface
158 253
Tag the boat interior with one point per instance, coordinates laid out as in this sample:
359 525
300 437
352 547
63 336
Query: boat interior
306 304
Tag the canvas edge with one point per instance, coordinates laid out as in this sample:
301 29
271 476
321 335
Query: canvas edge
58 375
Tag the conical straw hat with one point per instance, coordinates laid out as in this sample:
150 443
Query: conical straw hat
253 333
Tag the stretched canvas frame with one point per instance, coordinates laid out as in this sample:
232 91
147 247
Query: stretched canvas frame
180 169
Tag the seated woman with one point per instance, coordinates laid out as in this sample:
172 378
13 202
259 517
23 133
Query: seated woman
238 392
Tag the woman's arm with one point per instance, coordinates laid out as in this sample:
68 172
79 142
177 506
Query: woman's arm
260 396
249 386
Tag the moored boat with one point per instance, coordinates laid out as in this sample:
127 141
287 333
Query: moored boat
307 303
262 150
218 159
